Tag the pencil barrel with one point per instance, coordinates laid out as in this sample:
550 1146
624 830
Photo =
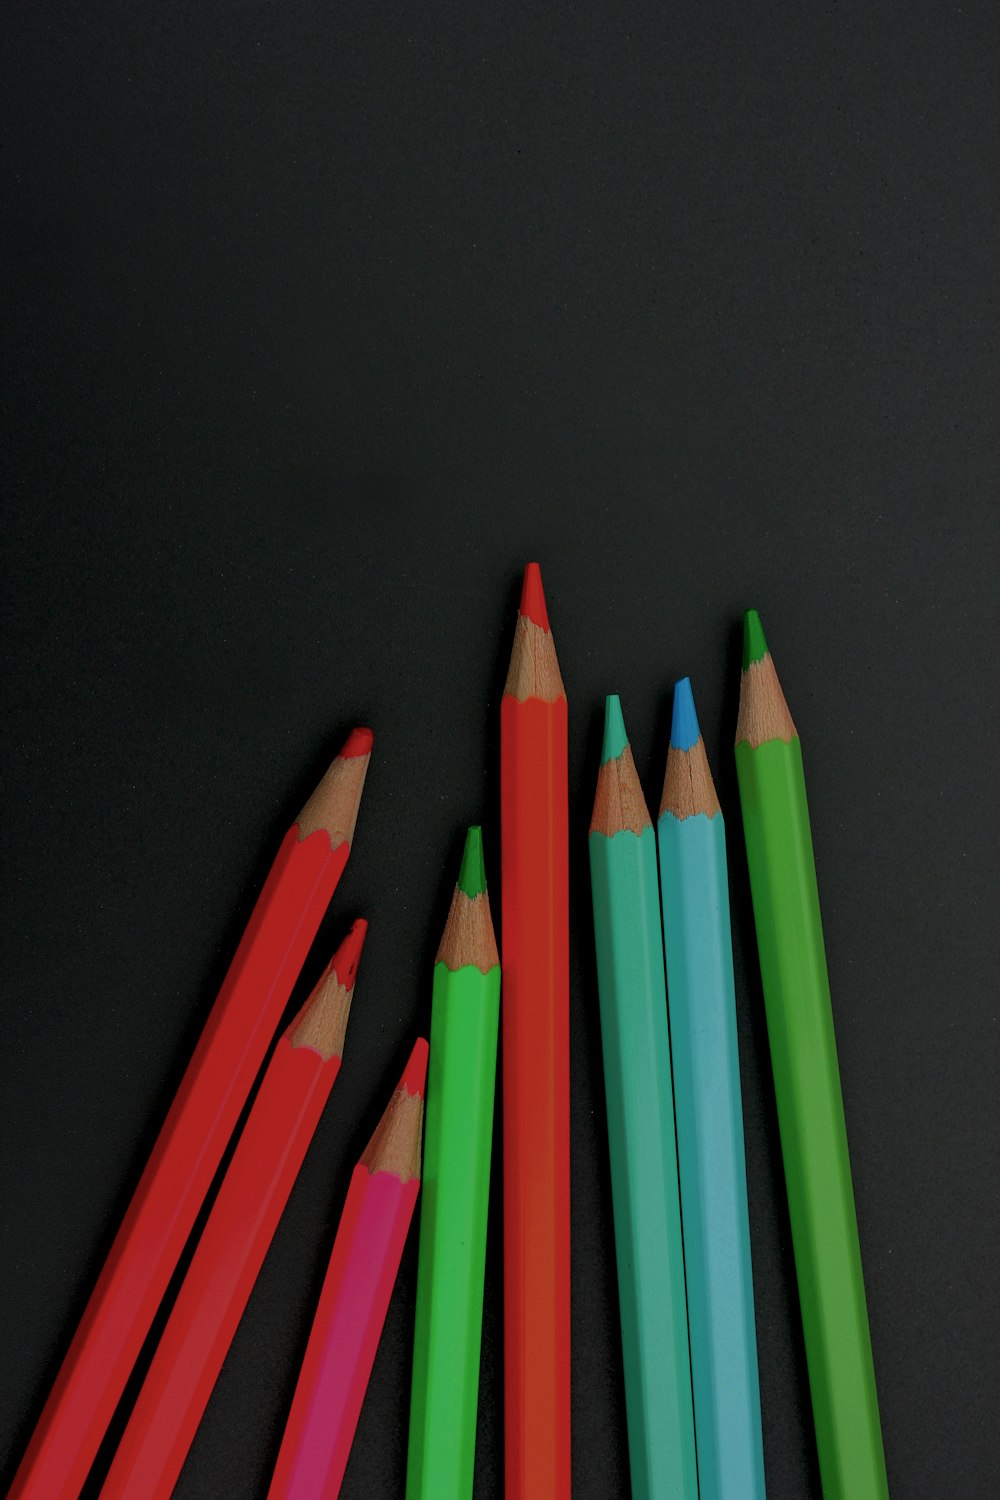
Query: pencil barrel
811 1120
456 1177
535 1040
711 1155
344 1338
644 1183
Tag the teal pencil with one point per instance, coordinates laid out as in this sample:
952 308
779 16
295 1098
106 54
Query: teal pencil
644 1186
695 888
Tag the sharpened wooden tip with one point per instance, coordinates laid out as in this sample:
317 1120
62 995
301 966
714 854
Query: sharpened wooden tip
534 667
468 937
619 804
334 804
322 1022
395 1146
763 712
688 787
532 604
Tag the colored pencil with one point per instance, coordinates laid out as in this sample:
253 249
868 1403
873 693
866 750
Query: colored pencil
456 1184
535 906
807 1083
195 1133
645 1194
355 1299
709 1111
240 1227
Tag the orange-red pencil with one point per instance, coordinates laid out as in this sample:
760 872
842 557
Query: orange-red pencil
535 1026
195 1134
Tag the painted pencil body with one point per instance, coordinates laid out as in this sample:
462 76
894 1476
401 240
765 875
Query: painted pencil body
637 1075
231 1251
354 1300
535 1037
807 1084
695 892
456 1180
195 1134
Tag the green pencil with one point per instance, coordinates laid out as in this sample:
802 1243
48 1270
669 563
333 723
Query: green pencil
645 1194
458 1136
807 1083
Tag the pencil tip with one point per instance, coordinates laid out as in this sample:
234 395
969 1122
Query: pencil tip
344 962
684 731
415 1073
358 742
472 875
533 597
754 643
615 738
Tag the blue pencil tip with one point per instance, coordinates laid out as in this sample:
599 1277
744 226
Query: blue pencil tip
684 729
615 738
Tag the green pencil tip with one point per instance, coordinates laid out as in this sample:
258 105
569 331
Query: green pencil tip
754 643
472 875
615 738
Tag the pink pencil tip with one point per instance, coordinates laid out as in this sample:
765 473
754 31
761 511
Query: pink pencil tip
532 605
414 1077
344 962
358 742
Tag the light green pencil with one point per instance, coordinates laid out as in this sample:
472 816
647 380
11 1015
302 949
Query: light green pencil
644 1186
458 1136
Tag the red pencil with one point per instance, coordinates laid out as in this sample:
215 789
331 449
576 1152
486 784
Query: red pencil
195 1134
354 1300
239 1230
535 1025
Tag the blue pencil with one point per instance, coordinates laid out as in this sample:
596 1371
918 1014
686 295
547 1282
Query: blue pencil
694 888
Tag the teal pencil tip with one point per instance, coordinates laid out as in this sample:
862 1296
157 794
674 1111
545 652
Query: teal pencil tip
684 731
615 738
754 643
472 875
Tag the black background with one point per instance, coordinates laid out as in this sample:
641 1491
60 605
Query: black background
321 320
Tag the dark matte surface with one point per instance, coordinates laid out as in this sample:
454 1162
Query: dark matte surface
319 326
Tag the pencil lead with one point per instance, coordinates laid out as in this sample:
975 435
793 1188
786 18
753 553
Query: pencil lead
754 642
344 963
684 730
615 738
472 875
358 742
415 1073
532 605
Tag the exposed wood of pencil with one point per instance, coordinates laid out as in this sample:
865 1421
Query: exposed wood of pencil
468 936
688 787
619 804
322 1022
334 804
395 1146
534 667
763 712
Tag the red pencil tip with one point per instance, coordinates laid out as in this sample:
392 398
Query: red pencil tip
533 597
344 962
416 1069
358 742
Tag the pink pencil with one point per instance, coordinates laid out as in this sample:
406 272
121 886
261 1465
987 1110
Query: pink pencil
355 1299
